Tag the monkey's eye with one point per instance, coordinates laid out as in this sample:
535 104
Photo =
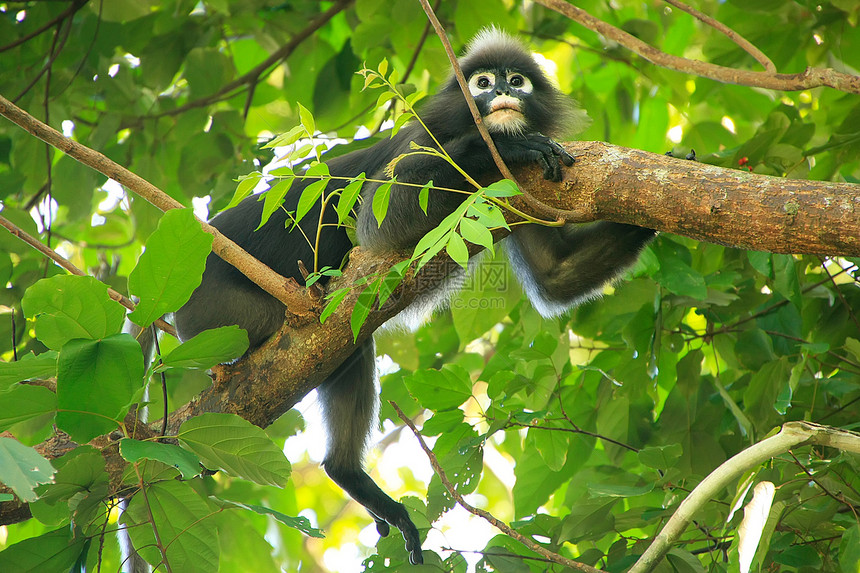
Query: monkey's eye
480 82
517 81
483 82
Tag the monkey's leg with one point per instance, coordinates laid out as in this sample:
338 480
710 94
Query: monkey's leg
349 401
560 267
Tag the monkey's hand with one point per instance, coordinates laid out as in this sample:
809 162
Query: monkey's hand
534 148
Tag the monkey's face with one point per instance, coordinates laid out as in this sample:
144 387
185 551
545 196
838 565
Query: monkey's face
500 96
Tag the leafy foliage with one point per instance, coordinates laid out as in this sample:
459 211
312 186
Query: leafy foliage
583 432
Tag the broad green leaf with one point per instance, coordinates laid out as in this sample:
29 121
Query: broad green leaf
96 381
229 443
67 307
28 367
440 389
661 457
78 472
849 549
22 468
186 462
170 268
552 444
23 403
181 517
52 552
208 348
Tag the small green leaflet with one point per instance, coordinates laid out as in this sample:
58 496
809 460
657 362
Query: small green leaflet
299 522
312 193
457 250
307 119
476 233
348 197
424 196
503 188
247 184
274 198
286 139
380 202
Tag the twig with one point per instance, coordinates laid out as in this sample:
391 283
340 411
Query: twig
499 524
807 79
285 290
69 266
742 42
252 76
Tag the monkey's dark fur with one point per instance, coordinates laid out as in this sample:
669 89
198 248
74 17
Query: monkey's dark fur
558 267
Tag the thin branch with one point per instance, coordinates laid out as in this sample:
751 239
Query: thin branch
285 290
792 435
742 42
807 79
69 266
74 7
252 76
484 514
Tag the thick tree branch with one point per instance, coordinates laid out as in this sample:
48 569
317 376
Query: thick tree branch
807 79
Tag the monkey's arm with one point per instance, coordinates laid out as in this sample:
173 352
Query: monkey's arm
560 267
406 222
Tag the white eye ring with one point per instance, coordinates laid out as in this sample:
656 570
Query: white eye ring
481 82
525 84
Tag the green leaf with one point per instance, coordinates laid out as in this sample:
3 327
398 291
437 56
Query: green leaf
307 119
186 462
661 457
24 403
502 188
181 517
286 139
52 552
424 196
348 197
440 389
247 184
849 549
170 268
380 202
208 348
334 299
615 490
457 250
22 469
363 306
229 443
301 523
309 197
476 233
96 381
28 367
274 198
67 307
